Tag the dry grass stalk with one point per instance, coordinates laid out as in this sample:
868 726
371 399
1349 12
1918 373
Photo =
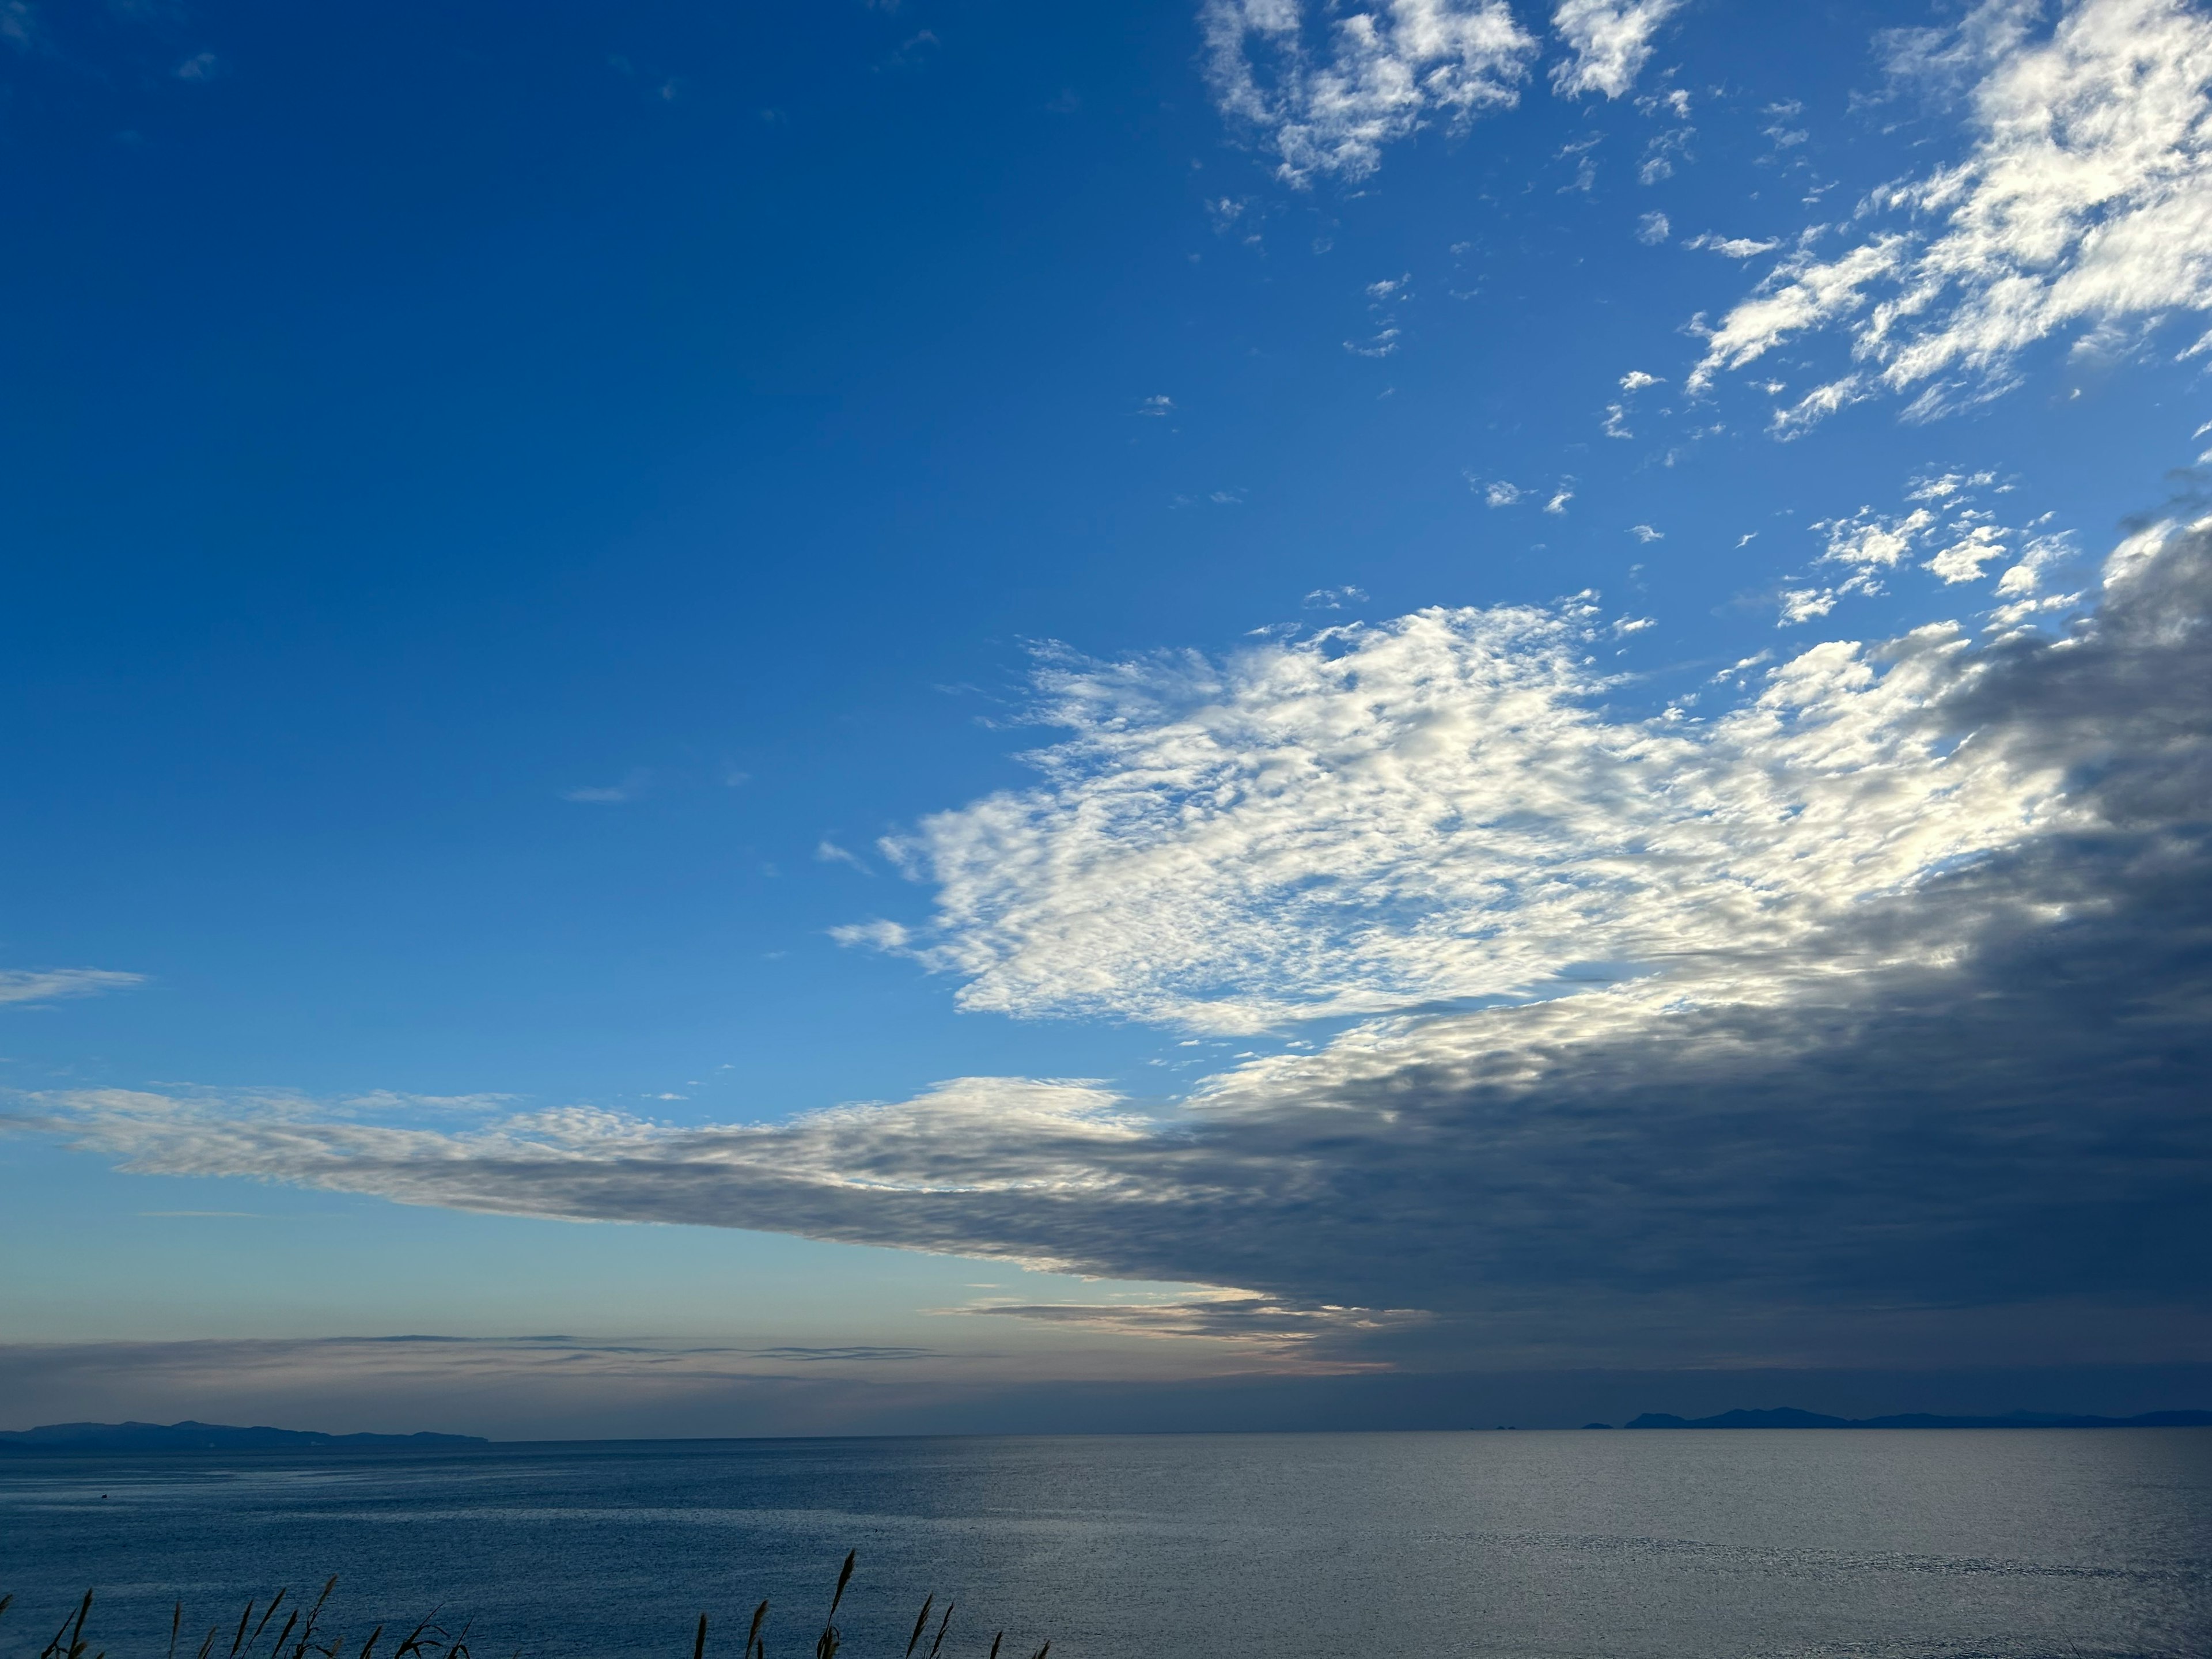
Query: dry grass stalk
429 1640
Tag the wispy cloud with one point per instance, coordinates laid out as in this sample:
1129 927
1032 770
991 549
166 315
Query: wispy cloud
1325 91
1610 40
1266 1322
19 25
1732 247
612 794
829 852
57 984
2083 207
1334 598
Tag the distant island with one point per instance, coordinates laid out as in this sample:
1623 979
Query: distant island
1788 1417
202 1437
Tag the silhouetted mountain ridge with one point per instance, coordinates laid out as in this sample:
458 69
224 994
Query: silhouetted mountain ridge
1788 1417
202 1437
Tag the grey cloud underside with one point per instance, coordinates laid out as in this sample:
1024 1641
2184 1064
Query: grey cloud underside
1981 1088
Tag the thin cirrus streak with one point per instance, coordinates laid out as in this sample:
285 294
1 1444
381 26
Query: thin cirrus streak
1957 1076
55 984
2083 206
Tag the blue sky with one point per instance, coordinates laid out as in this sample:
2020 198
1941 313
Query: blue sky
1296 594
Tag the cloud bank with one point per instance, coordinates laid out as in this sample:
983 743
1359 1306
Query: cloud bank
1888 1043
2083 208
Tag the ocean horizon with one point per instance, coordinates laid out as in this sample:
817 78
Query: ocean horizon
1910 1542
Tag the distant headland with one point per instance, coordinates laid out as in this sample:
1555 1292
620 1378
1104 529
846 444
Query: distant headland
203 1436
1788 1417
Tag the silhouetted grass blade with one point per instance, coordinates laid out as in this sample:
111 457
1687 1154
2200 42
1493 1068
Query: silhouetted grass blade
428 1640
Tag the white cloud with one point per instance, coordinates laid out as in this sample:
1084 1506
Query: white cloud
1734 247
1803 605
1611 40
1942 487
1158 406
612 794
1975 545
2084 206
1560 497
1944 61
1498 493
1616 422
1645 533
1429 809
827 852
1868 541
1816 405
1325 91
1636 379
55 984
1653 228
1801 294
2037 559
1334 598
1961 540
1659 157
1865 1017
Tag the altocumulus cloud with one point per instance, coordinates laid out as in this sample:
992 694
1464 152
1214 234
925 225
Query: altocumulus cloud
1325 91
1863 1023
1610 40
1326 88
2083 207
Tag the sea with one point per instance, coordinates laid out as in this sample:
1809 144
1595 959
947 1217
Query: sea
2013 1543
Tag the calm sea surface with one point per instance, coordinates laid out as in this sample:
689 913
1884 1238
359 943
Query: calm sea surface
1679 1544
